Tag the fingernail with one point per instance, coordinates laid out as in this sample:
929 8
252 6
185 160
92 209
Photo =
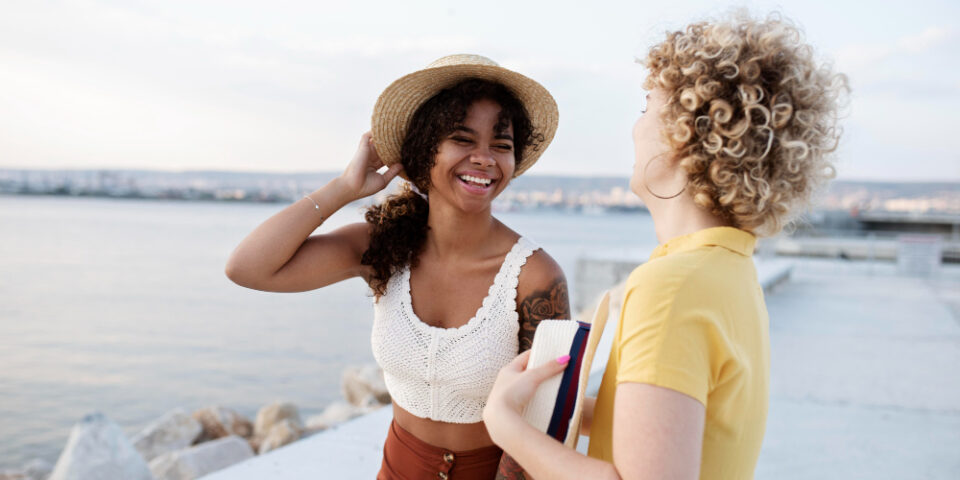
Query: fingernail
563 359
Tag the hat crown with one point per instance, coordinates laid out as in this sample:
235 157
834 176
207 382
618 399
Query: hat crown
462 59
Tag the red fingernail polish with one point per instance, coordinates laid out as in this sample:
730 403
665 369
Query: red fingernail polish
563 359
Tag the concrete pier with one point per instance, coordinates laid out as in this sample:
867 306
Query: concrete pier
864 380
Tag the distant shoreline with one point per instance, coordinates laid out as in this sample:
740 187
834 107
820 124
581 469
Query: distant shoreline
138 196
269 201
527 192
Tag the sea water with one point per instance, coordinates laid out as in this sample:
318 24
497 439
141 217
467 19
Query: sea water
122 307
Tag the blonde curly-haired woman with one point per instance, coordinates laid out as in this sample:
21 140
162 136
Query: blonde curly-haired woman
738 132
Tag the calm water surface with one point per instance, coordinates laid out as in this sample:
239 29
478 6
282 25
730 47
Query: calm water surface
122 306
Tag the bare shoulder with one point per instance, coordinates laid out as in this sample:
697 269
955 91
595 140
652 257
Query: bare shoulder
541 295
540 272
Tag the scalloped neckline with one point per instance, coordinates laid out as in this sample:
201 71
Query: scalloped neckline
407 298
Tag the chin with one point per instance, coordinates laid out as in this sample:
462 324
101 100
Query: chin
472 206
476 211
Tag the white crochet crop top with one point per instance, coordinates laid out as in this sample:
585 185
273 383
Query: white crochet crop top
445 374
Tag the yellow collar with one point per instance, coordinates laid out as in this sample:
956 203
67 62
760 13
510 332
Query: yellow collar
733 239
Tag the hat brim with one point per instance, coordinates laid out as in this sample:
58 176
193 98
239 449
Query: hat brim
397 104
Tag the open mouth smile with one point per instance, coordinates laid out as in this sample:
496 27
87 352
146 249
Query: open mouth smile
475 184
483 182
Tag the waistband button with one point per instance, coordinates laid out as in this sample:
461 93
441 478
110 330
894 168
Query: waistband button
448 457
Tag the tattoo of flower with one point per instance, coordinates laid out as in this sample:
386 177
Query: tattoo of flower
550 303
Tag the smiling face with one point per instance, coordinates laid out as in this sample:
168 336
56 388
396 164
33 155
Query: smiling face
475 162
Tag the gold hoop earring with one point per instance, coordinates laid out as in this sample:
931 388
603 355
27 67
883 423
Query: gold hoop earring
647 187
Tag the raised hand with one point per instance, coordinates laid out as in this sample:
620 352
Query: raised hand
361 177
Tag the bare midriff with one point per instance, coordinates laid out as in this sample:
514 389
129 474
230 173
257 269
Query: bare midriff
452 436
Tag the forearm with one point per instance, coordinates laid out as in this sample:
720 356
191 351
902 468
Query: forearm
510 469
543 457
271 245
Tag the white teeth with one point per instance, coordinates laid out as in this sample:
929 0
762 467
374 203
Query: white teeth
472 179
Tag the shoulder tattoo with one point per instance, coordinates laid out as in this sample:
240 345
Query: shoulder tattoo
550 303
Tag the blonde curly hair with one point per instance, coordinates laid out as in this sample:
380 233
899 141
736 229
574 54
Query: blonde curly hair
750 116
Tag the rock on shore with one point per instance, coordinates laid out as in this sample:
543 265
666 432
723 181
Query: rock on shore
277 425
195 462
359 383
173 431
336 413
219 422
98 449
282 433
274 413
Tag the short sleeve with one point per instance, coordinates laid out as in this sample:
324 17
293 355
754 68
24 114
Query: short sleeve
664 341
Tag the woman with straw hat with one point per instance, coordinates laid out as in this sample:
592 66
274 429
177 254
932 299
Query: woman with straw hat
738 131
457 292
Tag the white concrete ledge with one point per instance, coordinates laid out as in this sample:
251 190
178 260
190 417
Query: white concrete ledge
350 450
773 272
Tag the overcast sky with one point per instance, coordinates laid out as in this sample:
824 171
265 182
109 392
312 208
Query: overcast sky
289 85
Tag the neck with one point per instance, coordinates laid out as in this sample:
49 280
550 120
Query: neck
679 216
452 232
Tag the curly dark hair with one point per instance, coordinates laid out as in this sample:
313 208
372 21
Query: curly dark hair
399 224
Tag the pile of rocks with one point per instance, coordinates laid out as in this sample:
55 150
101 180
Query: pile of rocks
185 446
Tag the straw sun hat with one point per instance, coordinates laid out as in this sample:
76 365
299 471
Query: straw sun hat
397 104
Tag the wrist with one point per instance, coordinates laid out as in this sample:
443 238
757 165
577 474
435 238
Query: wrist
513 435
342 192
500 420
328 199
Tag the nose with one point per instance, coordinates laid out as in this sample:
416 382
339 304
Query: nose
482 158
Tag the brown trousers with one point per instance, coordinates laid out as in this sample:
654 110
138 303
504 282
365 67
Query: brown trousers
406 457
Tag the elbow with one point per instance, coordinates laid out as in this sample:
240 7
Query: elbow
248 276
235 271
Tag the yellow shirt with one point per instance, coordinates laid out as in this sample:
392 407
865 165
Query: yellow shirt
694 321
